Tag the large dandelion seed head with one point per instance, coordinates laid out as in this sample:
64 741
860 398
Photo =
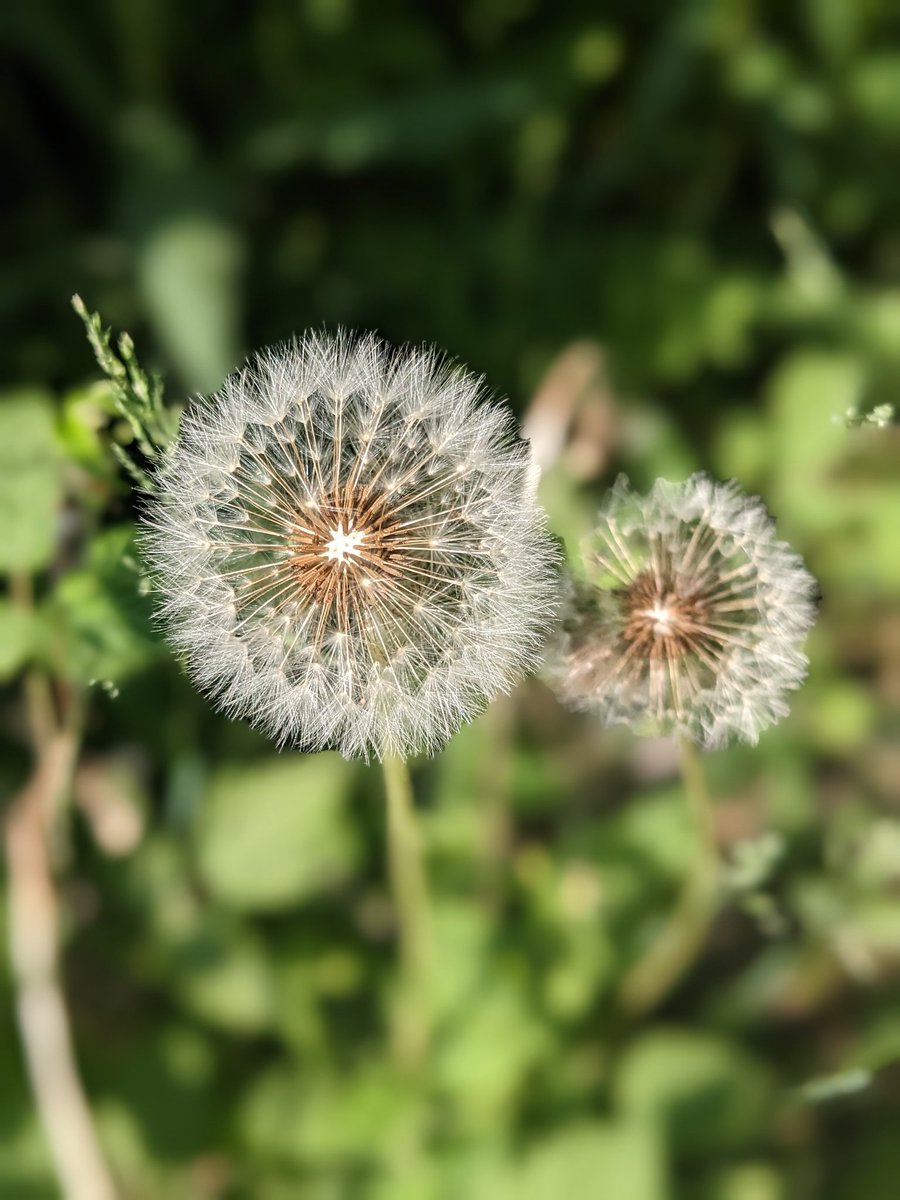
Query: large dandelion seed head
691 615
349 547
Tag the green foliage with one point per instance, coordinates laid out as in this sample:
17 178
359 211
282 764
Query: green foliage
30 480
705 1092
271 837
706 193
188 270
137 397
624 1154
103 614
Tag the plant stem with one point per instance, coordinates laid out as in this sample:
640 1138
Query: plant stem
34 943
40 711
406 865
671 956
493 783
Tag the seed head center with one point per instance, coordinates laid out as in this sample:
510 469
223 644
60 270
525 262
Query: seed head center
662 616
343 546
658 613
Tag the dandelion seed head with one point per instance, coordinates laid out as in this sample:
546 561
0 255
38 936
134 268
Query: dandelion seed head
349 548
690 617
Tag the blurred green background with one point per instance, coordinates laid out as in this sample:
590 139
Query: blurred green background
669 230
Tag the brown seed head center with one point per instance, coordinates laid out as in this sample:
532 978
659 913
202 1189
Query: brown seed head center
660 619
343 542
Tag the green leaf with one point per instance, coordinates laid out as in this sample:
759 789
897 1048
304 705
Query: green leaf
462 935
83 419
807 392
628 1152
320 1119
212 961
875 90
749 1181
707 1092
30 481
276 833
106 618
485 1061
620 1158
188 271
221 973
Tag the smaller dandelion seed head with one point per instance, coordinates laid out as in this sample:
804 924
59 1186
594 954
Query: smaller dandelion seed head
349 547
690 615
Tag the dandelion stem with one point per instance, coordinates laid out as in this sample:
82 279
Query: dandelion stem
409 885
670 957
493 782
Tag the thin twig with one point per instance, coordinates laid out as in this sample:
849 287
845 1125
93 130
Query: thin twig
34 948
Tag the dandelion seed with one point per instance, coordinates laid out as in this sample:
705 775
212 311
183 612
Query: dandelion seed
691 615
349 547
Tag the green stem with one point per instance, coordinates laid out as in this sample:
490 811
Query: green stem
493 783
671 956
406 864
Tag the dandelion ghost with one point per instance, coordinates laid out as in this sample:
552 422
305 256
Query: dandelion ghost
691 615
349 547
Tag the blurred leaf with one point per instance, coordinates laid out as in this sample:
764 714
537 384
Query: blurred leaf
213 962
321 1120
622 1156
876 90
189 268
222 974
657 827
484 1060
84 416
30 480
842 716
627 1152
810 392
462 934
742 448
706 1092
873 928
587 965
597 53
414 127
314 969
105 615
277 833
749 1181
166 1105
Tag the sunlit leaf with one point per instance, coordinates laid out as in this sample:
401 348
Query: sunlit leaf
704 1090
30 480
105 617
276 833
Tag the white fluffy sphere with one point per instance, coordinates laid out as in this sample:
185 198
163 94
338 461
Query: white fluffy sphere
349 547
